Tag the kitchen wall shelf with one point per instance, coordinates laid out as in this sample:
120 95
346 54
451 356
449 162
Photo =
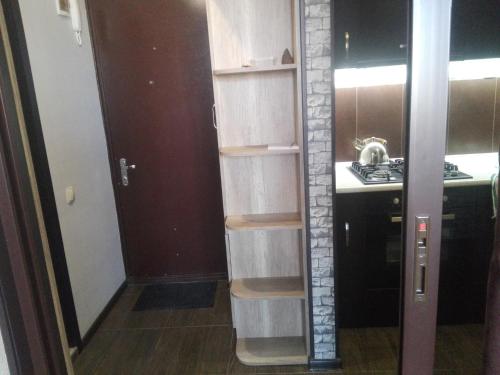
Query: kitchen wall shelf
272 351
255 69
259 150
268 288
264 221
259 113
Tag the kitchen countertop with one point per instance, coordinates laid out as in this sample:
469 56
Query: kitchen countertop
480 166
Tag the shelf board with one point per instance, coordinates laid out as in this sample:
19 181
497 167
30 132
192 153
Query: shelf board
259 150
254 69
268 288
264 221
271 351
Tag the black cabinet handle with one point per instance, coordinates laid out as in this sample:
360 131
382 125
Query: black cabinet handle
347 234
347 44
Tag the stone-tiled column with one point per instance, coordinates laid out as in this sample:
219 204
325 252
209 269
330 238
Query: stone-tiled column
319 143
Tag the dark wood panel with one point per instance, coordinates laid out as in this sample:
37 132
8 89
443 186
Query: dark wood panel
154 66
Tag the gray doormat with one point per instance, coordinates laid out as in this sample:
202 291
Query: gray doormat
193 295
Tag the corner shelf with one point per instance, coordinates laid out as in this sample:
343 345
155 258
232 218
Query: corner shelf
271 351
260 138
259 150
268 288
254 69
274 221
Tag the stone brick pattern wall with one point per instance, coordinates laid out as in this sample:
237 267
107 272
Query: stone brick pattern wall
319 117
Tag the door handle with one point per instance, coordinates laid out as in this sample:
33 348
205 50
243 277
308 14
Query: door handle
124 170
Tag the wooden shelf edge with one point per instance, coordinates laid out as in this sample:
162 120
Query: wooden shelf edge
259 150
258 69
272 351
266 288
274 221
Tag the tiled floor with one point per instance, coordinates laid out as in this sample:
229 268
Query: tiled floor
202 341
374 350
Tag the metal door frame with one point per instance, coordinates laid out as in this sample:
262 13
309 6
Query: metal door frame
426 130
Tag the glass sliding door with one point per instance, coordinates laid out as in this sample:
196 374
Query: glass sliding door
468 206
413 253
370 58
452 161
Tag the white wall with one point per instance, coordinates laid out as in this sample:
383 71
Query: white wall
67 94
4 368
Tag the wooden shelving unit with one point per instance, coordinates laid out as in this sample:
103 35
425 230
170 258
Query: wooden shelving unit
264 221
268 288
259 128
259 150
272 351
255 69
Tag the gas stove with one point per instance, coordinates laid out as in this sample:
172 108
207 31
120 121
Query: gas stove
393 172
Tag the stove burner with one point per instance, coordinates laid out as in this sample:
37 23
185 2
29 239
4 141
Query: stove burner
382 174
393 172
450 170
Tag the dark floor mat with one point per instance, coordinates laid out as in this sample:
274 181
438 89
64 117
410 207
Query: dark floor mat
177 296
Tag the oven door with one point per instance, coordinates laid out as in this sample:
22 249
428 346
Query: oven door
383 265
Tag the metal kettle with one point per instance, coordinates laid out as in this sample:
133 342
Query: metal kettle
372 150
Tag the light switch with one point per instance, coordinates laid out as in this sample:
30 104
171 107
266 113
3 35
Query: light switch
70 195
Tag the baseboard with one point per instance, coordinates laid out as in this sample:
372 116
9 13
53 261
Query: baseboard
93 328
176 279
324 364
73 353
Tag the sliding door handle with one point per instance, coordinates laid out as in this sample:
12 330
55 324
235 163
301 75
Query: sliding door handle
422 229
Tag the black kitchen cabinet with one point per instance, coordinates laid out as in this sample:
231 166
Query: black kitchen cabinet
475 29
369 32
374 32
351 234
369 256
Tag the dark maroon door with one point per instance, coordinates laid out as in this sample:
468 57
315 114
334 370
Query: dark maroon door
153 62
